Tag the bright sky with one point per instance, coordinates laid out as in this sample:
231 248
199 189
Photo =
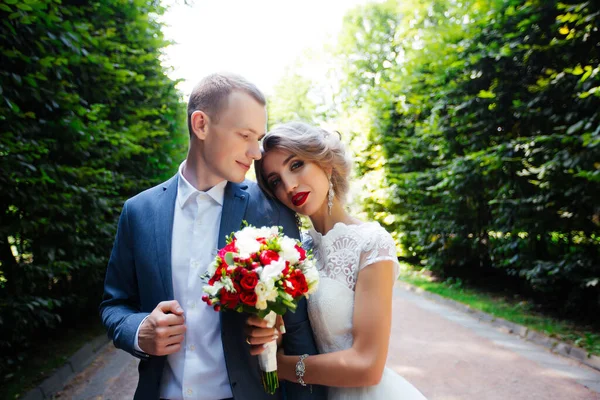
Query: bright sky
256 39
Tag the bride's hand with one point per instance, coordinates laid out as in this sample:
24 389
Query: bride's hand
258 334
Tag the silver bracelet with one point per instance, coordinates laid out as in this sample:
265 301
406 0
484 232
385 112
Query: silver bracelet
301 369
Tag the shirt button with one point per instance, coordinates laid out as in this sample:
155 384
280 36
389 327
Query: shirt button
194 263
189 392
192 305
192 347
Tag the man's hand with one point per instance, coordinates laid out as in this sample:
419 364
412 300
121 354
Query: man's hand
257 333
163 331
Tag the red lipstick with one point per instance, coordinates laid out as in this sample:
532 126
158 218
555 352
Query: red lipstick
300 198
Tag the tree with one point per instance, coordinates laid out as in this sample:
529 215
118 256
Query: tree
88 118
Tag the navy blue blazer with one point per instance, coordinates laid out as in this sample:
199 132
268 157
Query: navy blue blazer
138 277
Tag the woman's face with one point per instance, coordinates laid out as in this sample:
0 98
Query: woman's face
299 184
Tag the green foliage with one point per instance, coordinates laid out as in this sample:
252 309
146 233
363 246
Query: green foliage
291 100
88 118
487 125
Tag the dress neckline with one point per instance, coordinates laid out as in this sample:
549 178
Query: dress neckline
318 237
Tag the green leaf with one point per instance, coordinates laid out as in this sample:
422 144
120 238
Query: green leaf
229 258
575 127
485 94
24 7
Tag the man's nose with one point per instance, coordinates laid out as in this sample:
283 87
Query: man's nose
254 151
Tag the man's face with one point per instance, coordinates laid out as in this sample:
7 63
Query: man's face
232 144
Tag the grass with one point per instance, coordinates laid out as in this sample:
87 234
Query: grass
51 353
511 309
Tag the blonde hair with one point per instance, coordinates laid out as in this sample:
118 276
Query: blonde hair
312 144
211 93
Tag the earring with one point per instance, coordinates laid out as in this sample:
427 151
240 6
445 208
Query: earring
330 196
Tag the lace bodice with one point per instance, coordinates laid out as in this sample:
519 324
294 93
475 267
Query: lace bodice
340 255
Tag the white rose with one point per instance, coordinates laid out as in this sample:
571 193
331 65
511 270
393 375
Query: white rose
265 291
247 246
272 271
261 304
288 250
261 290
267 232
248 232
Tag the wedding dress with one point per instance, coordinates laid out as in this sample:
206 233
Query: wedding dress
340 255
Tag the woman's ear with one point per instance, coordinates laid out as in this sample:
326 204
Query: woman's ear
199 122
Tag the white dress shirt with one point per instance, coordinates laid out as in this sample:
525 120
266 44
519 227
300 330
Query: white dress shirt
198 370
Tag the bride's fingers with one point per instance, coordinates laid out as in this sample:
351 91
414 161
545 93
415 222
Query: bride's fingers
256 350
279 324
260 332
260 340
255 320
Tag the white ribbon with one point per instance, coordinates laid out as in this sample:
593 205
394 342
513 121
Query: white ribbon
268 358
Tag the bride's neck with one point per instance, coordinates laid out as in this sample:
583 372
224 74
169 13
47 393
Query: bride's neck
323 222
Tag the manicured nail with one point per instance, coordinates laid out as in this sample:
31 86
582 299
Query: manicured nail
179 309
275 337
282 329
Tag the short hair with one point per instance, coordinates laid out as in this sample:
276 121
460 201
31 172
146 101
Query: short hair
211 93
310 143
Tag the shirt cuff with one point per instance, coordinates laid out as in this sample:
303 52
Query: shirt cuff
136 342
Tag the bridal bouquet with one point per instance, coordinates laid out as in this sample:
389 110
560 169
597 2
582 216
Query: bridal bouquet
261 271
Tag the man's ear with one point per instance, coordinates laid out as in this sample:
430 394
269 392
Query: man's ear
199 122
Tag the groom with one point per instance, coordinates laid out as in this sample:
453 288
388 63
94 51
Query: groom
166 238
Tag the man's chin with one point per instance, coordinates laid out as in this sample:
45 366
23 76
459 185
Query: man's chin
237 178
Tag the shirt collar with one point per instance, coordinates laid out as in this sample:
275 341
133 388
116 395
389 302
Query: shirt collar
186 190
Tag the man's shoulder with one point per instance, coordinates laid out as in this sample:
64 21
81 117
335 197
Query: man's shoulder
259 200
149 195
258 196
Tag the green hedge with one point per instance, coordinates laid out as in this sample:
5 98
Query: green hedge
88 118
488 118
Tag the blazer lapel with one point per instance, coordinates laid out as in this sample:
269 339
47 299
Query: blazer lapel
235 202
163 229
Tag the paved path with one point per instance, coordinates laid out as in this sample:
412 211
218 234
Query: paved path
447 354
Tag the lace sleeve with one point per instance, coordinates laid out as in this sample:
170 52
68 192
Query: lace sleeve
379 246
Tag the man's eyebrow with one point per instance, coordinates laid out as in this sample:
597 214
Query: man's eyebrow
287 160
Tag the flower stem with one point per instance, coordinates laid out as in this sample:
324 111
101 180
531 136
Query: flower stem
270 381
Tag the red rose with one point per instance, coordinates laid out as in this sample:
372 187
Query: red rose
302 252
249 281
298 283
286 270
228 299
248 298
301 284
267 256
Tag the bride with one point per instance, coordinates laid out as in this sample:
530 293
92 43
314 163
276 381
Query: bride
307 169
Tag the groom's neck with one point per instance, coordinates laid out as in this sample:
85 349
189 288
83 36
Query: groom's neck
196 172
